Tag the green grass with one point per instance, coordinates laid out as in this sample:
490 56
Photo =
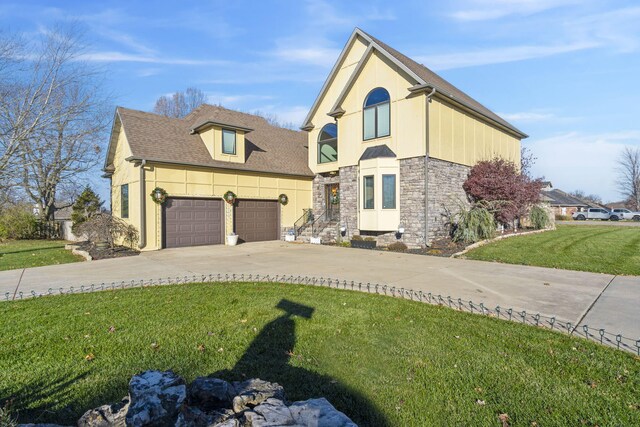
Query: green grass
599 249
383 361
34 253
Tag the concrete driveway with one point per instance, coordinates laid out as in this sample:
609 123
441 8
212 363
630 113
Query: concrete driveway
599 300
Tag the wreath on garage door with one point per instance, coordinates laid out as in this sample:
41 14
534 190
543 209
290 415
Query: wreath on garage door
159 195
230 197
283 199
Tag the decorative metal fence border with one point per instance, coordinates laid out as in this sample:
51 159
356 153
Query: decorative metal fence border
535 319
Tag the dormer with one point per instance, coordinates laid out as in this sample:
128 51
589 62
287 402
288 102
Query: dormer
224 142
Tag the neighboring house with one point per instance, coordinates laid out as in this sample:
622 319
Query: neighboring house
391 143
196 160
562 203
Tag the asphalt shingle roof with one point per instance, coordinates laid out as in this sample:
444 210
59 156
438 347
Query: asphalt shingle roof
269 148
376 152
560 198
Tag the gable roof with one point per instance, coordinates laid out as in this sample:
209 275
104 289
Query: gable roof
559 198
424 77
157 138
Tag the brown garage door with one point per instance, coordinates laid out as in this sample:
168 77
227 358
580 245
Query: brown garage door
192 222
257 220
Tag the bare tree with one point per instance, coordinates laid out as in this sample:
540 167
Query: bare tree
593 198
180 104
53 119
629 176
527 160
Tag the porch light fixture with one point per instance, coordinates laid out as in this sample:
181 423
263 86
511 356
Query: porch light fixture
343 230
400 229
158 193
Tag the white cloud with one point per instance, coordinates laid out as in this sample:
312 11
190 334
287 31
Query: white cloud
310 55
449 61
584 161
527 116
483 10
114 56
148 72
295 114
235 101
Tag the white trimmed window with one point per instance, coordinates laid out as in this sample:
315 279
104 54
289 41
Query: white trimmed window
228 141
376 117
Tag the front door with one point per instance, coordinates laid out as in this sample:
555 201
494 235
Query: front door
332 202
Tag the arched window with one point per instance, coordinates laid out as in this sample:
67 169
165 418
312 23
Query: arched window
328 144
377 114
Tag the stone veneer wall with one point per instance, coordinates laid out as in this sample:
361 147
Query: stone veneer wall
445 194
412 189
349 200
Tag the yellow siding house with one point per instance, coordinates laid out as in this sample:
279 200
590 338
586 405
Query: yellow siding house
198 159
391 143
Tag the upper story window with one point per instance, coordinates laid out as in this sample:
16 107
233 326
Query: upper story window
228 141
377 114
328 144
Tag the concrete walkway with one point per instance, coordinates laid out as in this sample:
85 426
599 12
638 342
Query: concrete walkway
600 300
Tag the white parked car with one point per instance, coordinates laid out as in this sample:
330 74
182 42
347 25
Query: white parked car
621 213
592 213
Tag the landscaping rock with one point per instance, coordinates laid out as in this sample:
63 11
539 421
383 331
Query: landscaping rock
196 417
106 415
39 425
162 399
210 393
156 398
253 392
272 412
312 412
320 413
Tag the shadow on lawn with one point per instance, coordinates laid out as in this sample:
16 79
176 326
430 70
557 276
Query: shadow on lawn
268 358
38 391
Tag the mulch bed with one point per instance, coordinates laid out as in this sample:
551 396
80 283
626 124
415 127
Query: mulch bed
107 253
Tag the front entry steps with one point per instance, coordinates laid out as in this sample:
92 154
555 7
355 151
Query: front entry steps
328 234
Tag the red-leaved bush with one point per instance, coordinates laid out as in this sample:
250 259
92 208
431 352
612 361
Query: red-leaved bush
499 183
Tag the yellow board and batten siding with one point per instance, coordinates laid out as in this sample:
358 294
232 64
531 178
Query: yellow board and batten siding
455 135
192 181
459 137
125 173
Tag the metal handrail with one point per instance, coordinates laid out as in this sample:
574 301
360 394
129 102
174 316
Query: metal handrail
302 222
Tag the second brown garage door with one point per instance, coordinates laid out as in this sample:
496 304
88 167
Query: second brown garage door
192 222
257 220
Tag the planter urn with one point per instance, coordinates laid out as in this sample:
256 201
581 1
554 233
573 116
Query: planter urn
232 239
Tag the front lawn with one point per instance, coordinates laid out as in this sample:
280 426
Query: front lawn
34 253
599 249
383 361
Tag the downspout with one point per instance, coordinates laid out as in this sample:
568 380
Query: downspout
426 169
143 207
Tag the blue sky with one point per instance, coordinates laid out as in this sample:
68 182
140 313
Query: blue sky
564 71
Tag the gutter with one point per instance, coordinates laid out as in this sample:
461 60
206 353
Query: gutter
143 207
210 166
426 169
